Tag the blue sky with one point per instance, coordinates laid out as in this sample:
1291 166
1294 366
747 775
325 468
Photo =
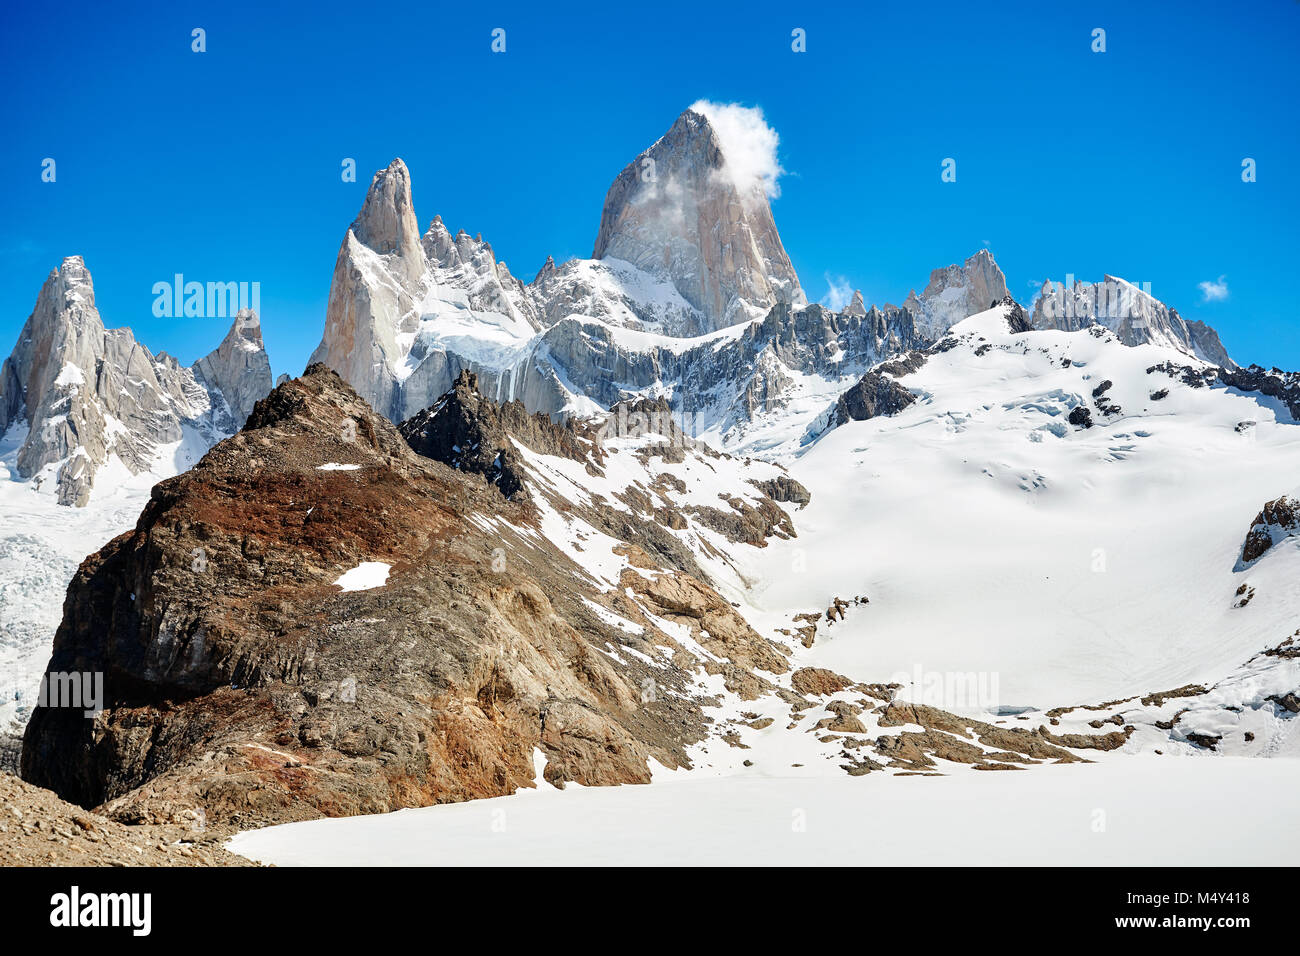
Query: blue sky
225 165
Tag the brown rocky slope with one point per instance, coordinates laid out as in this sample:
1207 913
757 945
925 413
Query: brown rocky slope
242 681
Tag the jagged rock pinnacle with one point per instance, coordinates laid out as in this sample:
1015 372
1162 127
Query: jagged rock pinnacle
673 212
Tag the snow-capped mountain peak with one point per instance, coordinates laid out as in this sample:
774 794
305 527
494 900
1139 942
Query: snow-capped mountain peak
680 211
1131 312
88 396
238 368
957 291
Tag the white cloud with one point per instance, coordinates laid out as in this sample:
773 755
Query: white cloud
748 144
839 293
1214 291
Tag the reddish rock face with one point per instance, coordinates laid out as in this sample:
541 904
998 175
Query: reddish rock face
240 678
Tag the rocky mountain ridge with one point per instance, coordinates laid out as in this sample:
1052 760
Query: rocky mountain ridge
88 395
1132 313
956 292
689 296
276 696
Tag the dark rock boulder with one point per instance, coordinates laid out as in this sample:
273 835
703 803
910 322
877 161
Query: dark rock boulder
1271 383
1283 386
875 394
1278 519
785 489
1080 416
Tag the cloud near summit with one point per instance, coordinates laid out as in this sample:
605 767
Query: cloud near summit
748 143
1214 291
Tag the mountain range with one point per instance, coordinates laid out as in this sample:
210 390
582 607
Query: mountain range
651 511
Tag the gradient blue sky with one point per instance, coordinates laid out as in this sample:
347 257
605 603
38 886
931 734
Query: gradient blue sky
225 165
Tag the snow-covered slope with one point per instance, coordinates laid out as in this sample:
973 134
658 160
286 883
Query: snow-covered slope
776 817
998 533
1058 529
1078 544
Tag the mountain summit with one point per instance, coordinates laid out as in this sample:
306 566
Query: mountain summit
683 210
957 292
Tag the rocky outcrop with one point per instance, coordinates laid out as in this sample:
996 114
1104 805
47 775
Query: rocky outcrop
953 738
1274 383
678 211
783 488
87 394
476 435
819 682
713 622
1271 383
875 394
1134 315
957 292
240 678
1018 320
1277 520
